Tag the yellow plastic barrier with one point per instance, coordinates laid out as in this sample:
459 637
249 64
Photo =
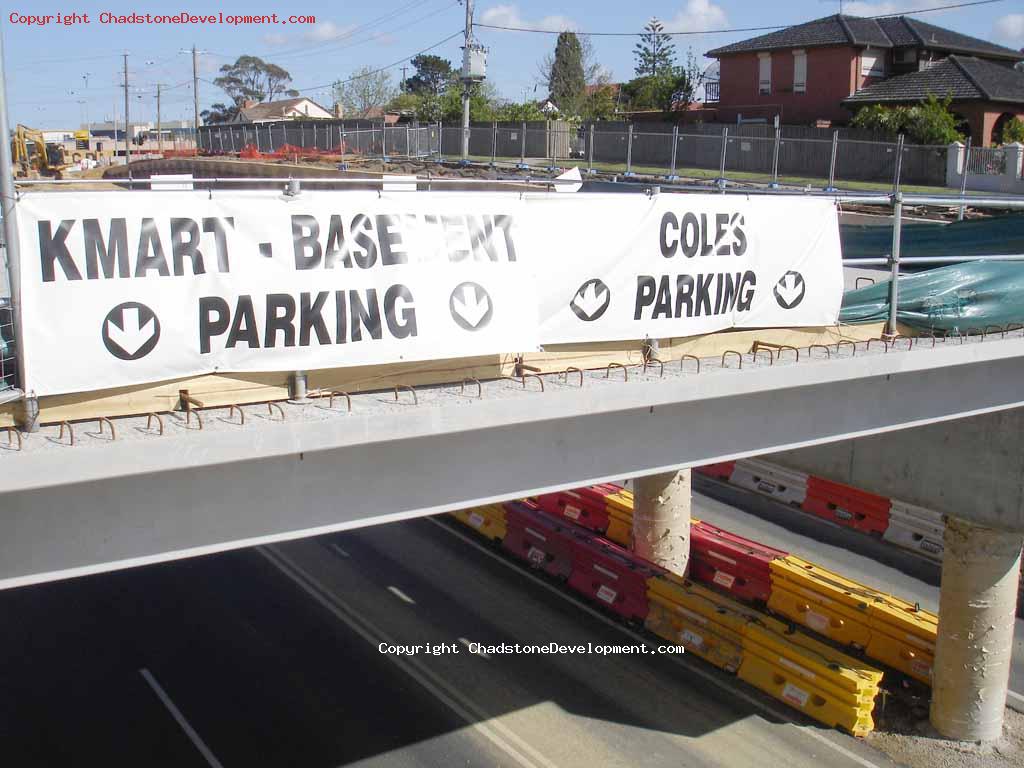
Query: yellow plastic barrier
821 682
489 520
620 517
888 629
704 622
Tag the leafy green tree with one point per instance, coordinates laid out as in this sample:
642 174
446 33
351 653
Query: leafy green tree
599 104
219 113
513 112
655 51
366 90
482 104
928 122
405 103
566 81
250 77
665 91
433 75
1013 131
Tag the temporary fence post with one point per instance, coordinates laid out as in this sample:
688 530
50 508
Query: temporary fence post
675 146
550 144
720 181
629 152
494 143
220 138
384 141
590 150
832 164
522 166
29 418
899 165
774 183
231 136
894 260
297 387
408 146
963 178
256 130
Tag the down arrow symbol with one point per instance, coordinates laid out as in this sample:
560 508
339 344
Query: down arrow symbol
471 306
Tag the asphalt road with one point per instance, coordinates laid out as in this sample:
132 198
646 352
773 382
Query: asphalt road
270 658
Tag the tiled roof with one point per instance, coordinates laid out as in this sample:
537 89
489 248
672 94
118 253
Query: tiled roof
962 77
271 109
892 32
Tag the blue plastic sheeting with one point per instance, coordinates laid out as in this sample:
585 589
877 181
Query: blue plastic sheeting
995 236
954 298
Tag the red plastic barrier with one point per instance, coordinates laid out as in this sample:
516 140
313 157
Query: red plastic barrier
847 506
583 506
611 576
538 538
728 561
720 471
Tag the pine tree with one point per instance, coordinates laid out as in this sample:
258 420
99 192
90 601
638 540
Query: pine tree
566 82
655 53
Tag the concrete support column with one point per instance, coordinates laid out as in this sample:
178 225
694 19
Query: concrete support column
661 519
977 603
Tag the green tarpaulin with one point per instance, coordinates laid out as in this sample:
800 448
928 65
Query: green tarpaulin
953 298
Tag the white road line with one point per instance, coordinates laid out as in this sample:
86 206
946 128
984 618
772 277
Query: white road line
495 732
777 714
194 737
401 595
340 551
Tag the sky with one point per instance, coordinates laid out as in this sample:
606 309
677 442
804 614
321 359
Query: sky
59 75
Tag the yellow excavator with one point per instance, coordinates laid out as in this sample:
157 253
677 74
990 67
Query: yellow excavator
33 157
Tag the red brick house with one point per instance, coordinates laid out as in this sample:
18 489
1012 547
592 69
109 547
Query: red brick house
825 69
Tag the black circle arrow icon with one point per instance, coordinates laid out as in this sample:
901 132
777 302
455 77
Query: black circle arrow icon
130 331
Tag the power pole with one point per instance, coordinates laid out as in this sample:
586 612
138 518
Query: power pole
467 84
159 131
195 98
401 86
127 141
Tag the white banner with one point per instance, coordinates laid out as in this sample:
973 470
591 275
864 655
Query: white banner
128 288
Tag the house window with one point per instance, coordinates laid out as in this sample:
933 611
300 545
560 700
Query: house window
764 77
872 63
799 71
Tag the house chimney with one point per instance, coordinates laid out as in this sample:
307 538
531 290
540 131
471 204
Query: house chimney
339 111
249 104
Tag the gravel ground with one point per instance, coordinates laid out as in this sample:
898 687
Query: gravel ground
914 743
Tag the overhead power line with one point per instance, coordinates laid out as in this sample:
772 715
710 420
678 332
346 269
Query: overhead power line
730 29
386 67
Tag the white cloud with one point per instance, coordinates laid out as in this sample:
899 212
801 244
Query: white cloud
323 31
698 16
509 16
887 7
275 39
1010 28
